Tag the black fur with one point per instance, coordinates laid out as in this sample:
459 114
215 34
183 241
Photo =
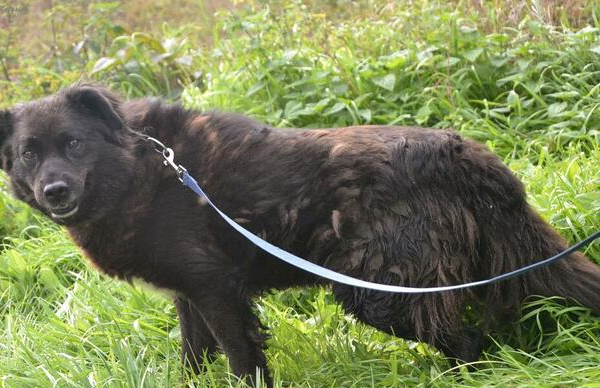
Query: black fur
396 205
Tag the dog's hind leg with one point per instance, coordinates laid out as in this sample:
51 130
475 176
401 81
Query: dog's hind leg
197 341
438 320
432 318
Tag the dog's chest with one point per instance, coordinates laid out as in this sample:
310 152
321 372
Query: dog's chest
125 269
114 255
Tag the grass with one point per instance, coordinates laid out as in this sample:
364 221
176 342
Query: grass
521 77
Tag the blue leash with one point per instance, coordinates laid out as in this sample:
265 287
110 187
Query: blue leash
315 269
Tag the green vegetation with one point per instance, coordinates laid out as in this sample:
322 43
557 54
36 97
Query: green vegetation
523 77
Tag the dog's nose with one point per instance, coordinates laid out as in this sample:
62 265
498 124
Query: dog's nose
56 192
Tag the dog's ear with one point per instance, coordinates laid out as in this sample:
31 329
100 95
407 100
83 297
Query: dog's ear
6 128
99 102
5 125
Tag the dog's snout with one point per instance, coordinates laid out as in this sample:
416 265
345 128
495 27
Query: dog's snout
56 192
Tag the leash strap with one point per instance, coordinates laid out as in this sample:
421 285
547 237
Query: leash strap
190 182
350 281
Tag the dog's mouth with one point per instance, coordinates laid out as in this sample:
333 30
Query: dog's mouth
64 211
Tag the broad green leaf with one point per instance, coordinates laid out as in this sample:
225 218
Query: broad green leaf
387 82
334 109
423 114
472 55
512 99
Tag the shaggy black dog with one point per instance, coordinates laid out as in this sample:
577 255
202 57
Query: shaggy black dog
395 205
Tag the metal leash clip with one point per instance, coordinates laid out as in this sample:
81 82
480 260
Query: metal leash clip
169 156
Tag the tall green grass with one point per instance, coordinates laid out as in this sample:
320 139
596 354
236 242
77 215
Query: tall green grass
526 85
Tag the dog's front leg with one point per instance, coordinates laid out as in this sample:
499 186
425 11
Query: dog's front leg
197 340
237 331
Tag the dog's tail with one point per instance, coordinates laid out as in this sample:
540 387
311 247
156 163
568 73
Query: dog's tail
512 235
531 239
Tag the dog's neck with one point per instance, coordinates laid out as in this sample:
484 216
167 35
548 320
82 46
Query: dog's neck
108 240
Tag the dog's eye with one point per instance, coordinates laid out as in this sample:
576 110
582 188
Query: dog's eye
29 155
74 144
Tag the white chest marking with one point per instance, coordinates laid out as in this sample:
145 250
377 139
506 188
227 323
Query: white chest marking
166 292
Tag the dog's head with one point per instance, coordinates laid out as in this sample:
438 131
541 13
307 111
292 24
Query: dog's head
65 153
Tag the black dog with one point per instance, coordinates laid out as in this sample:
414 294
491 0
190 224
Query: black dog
403 206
